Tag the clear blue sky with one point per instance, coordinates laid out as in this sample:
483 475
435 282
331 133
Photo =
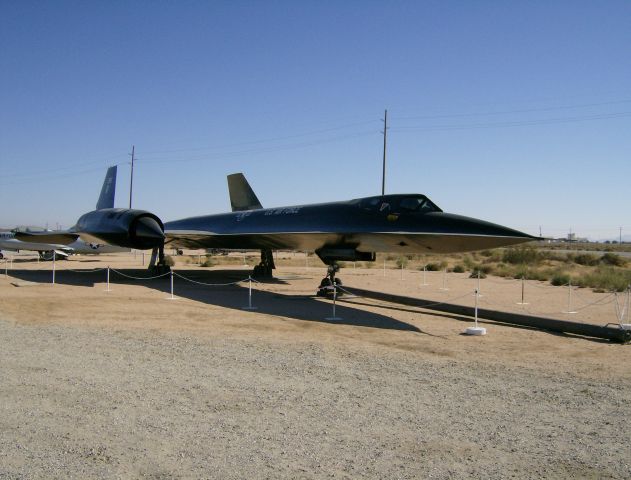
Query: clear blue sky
514 112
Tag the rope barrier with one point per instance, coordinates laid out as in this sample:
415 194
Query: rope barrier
448 300
140 278
212 284
81 271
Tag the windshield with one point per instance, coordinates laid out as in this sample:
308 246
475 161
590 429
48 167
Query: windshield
400 204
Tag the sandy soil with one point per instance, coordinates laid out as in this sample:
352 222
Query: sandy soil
128 384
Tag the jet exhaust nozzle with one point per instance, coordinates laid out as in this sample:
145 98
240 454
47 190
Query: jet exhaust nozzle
146 233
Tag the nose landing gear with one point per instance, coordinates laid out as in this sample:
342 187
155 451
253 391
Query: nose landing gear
326 285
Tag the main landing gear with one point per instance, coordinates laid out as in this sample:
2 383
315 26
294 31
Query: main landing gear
266 265
157 264
325 289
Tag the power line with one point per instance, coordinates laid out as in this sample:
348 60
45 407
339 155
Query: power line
508 112
522 123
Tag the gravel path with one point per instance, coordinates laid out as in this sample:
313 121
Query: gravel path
87 402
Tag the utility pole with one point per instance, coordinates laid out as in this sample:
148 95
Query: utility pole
131 181
385 135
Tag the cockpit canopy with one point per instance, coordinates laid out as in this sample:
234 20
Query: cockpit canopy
399 204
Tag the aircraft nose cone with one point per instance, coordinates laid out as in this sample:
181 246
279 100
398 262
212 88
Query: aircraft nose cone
466 234
148 233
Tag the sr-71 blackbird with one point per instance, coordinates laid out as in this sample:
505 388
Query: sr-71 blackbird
337 231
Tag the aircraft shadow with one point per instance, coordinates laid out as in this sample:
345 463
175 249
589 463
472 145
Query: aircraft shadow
225 292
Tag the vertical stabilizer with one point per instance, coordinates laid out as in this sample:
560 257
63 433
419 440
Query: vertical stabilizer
106 199
242 196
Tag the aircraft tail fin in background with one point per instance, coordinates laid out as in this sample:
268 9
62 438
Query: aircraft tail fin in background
242 196
106 199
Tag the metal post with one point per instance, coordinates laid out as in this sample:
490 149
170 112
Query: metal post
143 259
172 297
424 274
249 307
108 279
11 262
478 281
334 299
385 134
523 283
131 178
54 267
6 269
476 309
444 280
334 317
569 298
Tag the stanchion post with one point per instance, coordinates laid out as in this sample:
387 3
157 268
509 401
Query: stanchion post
475 330
108 279
478 280
334 317
54 267
569 298
424 275
444 280
250 307
172 297
523 282
6 268
143 259
476 308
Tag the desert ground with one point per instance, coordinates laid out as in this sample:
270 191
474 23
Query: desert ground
129 383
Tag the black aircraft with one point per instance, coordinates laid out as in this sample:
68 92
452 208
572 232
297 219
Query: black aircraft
123 227
336 231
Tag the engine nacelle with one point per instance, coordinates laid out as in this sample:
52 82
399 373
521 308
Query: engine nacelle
123 227
335 254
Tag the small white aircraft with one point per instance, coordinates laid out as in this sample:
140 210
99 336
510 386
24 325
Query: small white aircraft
8 242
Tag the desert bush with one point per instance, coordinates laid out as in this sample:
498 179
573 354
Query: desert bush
477 272
208 262
588 259
402 262
468 261
606 278
559 279
435 267
613 259
458 269
522 256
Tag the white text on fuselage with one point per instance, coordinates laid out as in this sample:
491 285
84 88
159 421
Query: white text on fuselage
282 211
